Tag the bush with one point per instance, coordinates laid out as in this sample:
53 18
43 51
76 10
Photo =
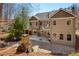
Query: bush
74 54
10 37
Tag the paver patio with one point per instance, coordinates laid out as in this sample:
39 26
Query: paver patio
55 48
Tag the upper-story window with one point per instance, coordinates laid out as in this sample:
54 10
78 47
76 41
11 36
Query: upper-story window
68 22
36 23
54 34
54 22
40 22
30 23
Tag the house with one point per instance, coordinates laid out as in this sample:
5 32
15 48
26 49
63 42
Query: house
34 23
40 23
63 27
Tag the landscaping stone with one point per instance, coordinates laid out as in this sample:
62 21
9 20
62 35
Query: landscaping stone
35 48
2 44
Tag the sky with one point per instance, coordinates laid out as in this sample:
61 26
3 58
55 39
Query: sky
46 7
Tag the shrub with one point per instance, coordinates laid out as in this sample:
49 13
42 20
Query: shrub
10 37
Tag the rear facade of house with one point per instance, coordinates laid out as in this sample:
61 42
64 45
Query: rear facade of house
62 28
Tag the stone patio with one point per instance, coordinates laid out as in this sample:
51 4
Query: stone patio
55 48
42 46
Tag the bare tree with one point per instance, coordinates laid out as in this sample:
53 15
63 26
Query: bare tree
74 8
8 10
1 7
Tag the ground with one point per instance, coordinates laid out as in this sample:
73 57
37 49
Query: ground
55 48
11 51
46 48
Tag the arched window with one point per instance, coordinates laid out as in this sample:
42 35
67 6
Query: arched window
54 34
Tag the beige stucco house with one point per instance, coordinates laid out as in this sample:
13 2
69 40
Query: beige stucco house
63 27
40 23
61 24
33 22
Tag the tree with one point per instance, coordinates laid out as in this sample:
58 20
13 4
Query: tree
8 10
74 8
1 7
20 20
19 24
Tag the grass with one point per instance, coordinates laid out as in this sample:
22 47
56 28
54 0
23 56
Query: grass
74 54
4 35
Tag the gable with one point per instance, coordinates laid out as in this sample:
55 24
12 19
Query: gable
62 13
43 15
33 18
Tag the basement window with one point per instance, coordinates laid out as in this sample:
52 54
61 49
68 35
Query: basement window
61 36
68 37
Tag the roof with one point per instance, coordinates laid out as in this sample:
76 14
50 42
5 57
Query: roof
43 16
47 15
62 13
34 18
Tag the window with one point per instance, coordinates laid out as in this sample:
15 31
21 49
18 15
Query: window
78 25
61 36
30 23
54 22
1 27
36 23
54 34
68 22
69 37
40 23
48 33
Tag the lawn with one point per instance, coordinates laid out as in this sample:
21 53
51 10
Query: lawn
74 54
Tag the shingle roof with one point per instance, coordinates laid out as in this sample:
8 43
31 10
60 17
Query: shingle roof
62 13
43 16
34 18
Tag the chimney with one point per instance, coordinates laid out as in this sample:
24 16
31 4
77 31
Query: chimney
74 9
